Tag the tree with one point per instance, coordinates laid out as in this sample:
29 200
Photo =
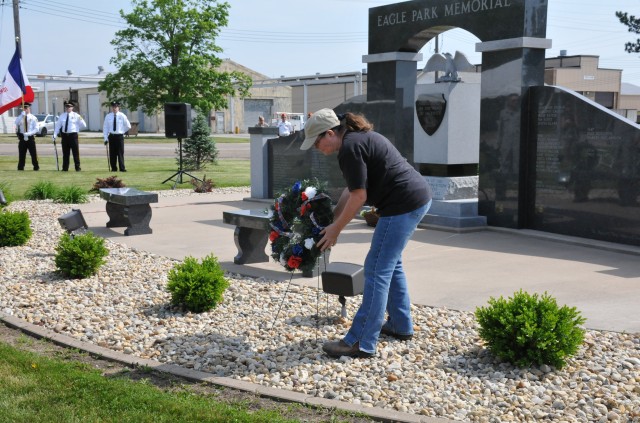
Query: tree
199 149
168 54
633 24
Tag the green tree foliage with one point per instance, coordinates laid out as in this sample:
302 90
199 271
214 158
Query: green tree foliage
199 149
167 53
633 24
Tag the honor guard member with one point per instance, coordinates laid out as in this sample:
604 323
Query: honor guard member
115 126
69 124
26 128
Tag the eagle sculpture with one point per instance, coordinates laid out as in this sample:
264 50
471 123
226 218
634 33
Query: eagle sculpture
449 65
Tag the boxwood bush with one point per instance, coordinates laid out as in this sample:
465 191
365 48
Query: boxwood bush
197 286
80 256
15 228
528 329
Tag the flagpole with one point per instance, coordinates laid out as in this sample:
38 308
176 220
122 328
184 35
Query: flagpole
16 24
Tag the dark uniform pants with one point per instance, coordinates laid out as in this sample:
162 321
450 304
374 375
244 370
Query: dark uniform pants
25 145
116 152
70 145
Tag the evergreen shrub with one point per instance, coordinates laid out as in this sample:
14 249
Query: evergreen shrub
80 256
528 329
199 149
15 228
197 286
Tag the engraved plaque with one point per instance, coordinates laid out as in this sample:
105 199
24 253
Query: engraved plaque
430 109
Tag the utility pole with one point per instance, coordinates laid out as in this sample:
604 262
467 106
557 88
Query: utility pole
16 24
435 76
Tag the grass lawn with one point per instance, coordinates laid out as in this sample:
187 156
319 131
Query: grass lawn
38 388
142 173
142 139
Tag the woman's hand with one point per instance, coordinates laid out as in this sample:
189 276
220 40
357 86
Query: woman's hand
330 237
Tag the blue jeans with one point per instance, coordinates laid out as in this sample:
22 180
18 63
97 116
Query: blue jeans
385 284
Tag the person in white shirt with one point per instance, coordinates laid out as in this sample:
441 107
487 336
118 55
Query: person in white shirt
69 124
285 128
115 126
26 128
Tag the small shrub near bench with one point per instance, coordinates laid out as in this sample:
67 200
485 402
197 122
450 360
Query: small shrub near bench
528 329
80 256
197 286
15 228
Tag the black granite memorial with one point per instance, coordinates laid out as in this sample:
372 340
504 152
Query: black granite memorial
587 169
528 177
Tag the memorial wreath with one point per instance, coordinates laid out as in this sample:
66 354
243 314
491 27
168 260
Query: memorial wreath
299 214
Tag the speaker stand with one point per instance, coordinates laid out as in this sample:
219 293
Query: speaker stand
180 172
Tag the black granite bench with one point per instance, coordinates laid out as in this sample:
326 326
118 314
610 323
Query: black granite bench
129 207
251 234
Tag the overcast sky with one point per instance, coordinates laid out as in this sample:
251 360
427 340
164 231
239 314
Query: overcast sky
291 38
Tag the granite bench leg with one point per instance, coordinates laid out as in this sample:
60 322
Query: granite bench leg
251 244
135 218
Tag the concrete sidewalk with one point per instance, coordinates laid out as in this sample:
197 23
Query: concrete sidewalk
456 271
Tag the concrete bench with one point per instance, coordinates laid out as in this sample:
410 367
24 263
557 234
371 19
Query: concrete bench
251 234
129 207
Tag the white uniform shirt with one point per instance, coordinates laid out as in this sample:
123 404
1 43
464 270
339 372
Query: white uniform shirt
122 124
32 125
76 123
285 128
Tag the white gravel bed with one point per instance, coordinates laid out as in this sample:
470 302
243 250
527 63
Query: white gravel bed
443 372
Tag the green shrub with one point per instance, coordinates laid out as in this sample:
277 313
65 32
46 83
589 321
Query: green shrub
527 330
15 228
70 195
43 190
80 256
197 287
108 182
200 148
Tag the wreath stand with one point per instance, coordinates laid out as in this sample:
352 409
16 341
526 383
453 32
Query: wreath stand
339 278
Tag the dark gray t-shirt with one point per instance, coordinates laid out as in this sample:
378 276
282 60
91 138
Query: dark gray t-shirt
369 161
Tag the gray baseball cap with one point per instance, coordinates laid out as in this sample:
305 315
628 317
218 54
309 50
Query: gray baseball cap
319 122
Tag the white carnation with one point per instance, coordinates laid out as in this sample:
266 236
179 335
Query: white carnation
309 243
310 192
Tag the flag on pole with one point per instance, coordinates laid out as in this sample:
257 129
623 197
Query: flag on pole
15 85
